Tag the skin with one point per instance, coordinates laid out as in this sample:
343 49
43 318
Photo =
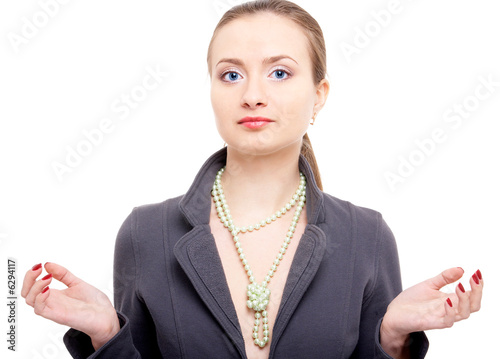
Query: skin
80 306
260 66
270 154
261 173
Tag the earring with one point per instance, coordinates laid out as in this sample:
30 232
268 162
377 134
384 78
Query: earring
313 119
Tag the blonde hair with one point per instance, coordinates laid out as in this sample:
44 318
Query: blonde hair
317 49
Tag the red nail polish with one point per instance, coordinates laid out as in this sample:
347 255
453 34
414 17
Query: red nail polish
479 275
476 279
45 289
449 302
36 267
47 276
461 287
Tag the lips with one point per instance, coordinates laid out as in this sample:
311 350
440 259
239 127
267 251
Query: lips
254 119
254 122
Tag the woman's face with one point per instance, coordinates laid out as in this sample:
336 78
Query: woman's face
262 90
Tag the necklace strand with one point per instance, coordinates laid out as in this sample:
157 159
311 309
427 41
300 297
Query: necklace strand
225 215
259 294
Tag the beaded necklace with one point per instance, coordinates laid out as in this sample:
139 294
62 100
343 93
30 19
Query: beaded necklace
258 294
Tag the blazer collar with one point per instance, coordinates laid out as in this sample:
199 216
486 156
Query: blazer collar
197 253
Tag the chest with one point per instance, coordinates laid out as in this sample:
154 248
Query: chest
260 248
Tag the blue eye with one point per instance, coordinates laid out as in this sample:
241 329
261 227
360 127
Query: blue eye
280 74
231 76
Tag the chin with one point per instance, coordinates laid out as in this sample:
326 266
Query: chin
261 149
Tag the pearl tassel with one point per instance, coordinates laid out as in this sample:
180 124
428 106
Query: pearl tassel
259 294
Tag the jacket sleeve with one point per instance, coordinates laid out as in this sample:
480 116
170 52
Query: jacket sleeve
137 336
385 287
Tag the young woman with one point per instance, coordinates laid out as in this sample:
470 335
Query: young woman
255 260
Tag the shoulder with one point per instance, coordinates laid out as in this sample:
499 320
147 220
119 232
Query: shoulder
340 212
361 236
145 229
363 230
152 211
150 218
157 207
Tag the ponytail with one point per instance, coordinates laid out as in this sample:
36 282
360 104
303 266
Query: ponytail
307 151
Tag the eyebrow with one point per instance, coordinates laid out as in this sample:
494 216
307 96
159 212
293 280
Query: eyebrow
267 60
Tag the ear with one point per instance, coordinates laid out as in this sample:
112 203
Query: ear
322 91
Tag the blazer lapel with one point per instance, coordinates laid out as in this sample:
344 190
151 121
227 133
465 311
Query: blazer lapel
198 256
307 259
304 266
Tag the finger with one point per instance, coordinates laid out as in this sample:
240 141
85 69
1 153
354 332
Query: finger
62 274
476 284
30 278
446 277
41 300
449 317
37 289
463 305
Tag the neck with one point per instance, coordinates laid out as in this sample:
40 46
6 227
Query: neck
258 186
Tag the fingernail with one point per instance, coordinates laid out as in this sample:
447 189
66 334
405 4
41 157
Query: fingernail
449 302
36 267
476 279
479 275
47 276
461 287
45 289
461 269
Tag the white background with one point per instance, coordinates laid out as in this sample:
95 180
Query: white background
64 79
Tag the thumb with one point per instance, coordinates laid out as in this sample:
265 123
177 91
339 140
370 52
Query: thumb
446 277
62 274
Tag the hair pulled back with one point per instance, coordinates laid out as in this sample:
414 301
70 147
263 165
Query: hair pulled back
314 35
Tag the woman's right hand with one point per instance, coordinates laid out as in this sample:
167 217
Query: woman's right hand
80 306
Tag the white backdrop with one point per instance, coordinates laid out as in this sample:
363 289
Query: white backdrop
410 129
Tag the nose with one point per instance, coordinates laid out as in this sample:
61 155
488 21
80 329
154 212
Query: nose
254 94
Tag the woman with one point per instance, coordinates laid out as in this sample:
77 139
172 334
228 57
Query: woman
227 270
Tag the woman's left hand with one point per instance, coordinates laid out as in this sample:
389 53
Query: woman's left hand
424 306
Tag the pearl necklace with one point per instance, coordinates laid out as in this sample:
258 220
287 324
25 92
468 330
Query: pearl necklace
259 294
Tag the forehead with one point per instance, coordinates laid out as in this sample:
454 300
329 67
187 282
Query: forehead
255 37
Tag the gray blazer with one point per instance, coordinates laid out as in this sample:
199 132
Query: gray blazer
172 299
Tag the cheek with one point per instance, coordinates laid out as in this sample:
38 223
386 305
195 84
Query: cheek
221 101
221 110
214 99
296 105
217 105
